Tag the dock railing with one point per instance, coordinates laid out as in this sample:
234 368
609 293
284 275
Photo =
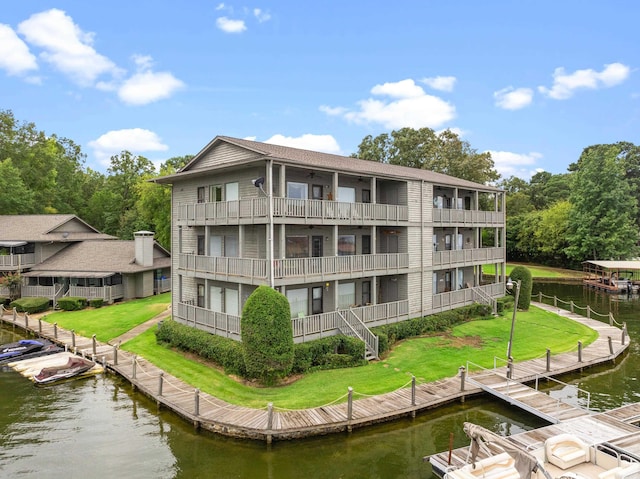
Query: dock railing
574 308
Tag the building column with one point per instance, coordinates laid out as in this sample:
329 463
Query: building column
374 290
374 190
282 181
334 185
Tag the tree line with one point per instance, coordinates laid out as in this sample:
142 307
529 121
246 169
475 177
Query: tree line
590 212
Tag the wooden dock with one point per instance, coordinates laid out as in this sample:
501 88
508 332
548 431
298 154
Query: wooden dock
210 413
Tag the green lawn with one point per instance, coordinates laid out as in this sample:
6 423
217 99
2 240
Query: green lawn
428 358
113 320
537 271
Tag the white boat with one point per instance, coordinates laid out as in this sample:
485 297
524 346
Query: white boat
563 456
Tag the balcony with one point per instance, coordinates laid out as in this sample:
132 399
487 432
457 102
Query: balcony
468 217
464 297
254 271
304 329
17 261
256 210
468 257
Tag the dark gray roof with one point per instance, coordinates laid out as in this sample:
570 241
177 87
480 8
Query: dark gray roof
45 228
117 256
330 162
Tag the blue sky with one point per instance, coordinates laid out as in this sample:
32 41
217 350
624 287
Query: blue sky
534 82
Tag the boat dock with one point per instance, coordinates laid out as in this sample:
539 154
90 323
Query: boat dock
30 367
351 411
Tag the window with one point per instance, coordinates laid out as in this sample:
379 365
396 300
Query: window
200 245
316 246
200 194
297 190
215 245
215 193
298 302
297 247
447 242
231 247
366 196
215 298
366 292
346 295
346 194
435 242
201 295
366 244
316 300
316 192
231 305
346 245
231 191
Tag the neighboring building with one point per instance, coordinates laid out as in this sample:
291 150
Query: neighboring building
61 255
351 243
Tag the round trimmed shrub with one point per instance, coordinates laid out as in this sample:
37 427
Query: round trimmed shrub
267 336
522 274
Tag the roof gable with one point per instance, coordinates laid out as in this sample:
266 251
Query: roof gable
45 228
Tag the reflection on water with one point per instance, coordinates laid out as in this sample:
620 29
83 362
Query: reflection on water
99 427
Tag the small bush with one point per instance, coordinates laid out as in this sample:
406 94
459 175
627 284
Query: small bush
30 305
96 303
72 303
328 353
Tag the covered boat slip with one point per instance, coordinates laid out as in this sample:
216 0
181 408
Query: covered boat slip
612 276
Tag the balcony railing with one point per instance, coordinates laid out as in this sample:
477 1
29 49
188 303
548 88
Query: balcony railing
107 293
222 324
468 256
250 209
17 260
305 328
256 269
468 217
463 297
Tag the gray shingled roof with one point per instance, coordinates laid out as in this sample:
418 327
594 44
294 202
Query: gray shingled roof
39 228
327 161
117 256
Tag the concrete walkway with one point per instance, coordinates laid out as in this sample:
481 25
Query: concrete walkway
141 328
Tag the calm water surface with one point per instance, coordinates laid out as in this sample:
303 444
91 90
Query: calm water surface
100 428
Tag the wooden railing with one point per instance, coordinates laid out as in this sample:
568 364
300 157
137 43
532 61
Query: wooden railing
107 293
463 297
162 285
304 328
223 212
38 291
470 217
256 269
354 327
468 256
222 324
17 260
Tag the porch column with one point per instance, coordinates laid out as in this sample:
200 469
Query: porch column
374 242
455 198
334 242
240 241
374 290
334 186
476 200
374 190
283 182
283 242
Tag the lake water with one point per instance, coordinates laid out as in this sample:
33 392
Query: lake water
100 428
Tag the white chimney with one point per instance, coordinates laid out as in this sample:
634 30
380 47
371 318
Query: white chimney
144 247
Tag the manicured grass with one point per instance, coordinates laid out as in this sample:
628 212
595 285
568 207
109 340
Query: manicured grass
537 271
428 358
113 320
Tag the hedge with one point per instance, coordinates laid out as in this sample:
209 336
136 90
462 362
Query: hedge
332 352
30 305
96 303
522 274
223 351
72 303
389 334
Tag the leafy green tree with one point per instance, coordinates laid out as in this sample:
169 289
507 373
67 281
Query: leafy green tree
545 189
551 234
16 198
603 220
423 148
267 336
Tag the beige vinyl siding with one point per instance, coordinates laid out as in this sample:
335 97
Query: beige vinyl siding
254 242
224 153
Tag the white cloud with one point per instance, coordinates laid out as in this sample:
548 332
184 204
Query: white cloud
515 164
513 98
147 87
230 26
220 6
324 143
565 84
409 106
440 83
66 46
15 56
135 140
261 16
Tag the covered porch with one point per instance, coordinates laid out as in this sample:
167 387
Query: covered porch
90 285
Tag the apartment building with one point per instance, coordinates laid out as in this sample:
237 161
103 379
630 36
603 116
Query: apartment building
351 243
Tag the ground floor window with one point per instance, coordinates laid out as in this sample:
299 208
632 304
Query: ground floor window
298 301
346 295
